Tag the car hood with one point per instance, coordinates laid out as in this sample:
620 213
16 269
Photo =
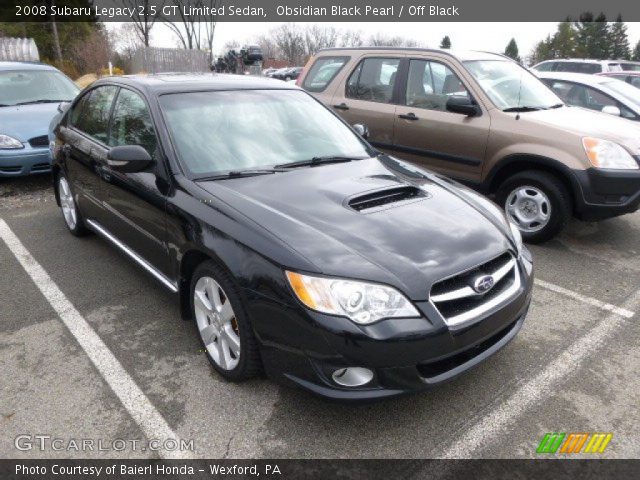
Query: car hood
408 244
587 123
27 121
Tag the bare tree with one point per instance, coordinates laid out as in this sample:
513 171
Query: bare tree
291 43
351 38
317 37
381 40
92 53
56 37
143 18
195 31
268 46
125 40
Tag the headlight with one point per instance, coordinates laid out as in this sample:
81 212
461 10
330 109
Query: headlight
517 237
606 154
7 142
362 302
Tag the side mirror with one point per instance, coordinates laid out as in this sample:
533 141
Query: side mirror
361 129
128 158
460 104
611 110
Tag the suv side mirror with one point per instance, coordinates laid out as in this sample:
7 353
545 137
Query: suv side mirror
361 129
611 110
460 104
128 158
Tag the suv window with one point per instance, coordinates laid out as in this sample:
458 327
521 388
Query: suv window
323 72
430 84
545 67
93 119
587 97
373 79
131 124
578 67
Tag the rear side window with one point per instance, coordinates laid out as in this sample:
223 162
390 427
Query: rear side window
635 81
431 84
323 72
93 119
132 123
373 80
544 67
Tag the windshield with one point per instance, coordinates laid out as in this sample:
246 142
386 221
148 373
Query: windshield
225 131
33 86
510 86
630 93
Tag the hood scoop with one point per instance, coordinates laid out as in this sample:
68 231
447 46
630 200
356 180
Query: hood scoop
375 201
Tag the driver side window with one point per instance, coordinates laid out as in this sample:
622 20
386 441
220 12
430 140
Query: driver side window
431 84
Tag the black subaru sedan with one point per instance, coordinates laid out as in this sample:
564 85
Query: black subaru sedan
297 248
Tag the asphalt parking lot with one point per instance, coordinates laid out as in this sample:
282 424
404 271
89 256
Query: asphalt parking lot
573 368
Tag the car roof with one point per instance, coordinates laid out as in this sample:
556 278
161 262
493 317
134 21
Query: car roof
462 55
623 73
584 78
585 60
160 83
25 66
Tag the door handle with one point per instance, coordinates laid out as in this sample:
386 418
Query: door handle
341 106
408 116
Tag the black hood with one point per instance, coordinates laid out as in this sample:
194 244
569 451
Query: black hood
333 215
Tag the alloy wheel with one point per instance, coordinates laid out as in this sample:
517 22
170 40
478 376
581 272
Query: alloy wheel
217 323
67 204
529 208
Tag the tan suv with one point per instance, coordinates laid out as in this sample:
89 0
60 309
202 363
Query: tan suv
489 123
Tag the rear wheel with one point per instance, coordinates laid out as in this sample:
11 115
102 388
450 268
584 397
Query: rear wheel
537 202
70 212
224 327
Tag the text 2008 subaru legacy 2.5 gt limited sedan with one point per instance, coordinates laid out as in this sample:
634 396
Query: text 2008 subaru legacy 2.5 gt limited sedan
294 245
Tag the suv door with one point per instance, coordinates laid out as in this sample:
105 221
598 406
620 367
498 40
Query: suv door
84 139
427 134
369 95
136 201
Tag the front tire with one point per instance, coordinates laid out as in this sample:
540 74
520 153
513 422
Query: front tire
537 202
223 324
70 212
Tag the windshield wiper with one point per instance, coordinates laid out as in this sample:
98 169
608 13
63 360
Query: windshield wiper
523 108
239 174
557 105
318 161
32 102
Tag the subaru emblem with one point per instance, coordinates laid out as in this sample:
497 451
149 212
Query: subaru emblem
483 283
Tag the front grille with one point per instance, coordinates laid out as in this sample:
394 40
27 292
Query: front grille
38 142
10 169
460 303
41 167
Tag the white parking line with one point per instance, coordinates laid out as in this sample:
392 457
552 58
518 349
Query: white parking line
133 399
623 312
539 387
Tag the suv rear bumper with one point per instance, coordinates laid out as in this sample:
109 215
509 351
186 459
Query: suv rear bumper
605 194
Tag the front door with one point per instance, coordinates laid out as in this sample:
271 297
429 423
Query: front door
427 134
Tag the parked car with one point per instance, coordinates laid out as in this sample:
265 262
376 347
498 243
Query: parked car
595 92
30 94
294 245
267 72
632 78
251 54
287 74
583 65
490 123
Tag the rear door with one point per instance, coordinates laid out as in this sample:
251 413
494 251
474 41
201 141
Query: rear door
85 138
429 135
369 97
136 201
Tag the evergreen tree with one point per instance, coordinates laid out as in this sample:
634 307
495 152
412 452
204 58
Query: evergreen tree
446 42
636 52
512 50
619 40
542 51
592 36
564 40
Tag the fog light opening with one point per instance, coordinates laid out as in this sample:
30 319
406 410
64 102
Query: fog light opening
352 376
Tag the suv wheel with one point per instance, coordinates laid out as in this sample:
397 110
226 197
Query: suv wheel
70 212
537 202
225 330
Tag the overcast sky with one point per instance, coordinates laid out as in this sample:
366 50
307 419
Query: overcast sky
472 36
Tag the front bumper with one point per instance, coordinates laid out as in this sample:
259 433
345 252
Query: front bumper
25 161
606 193
406 355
